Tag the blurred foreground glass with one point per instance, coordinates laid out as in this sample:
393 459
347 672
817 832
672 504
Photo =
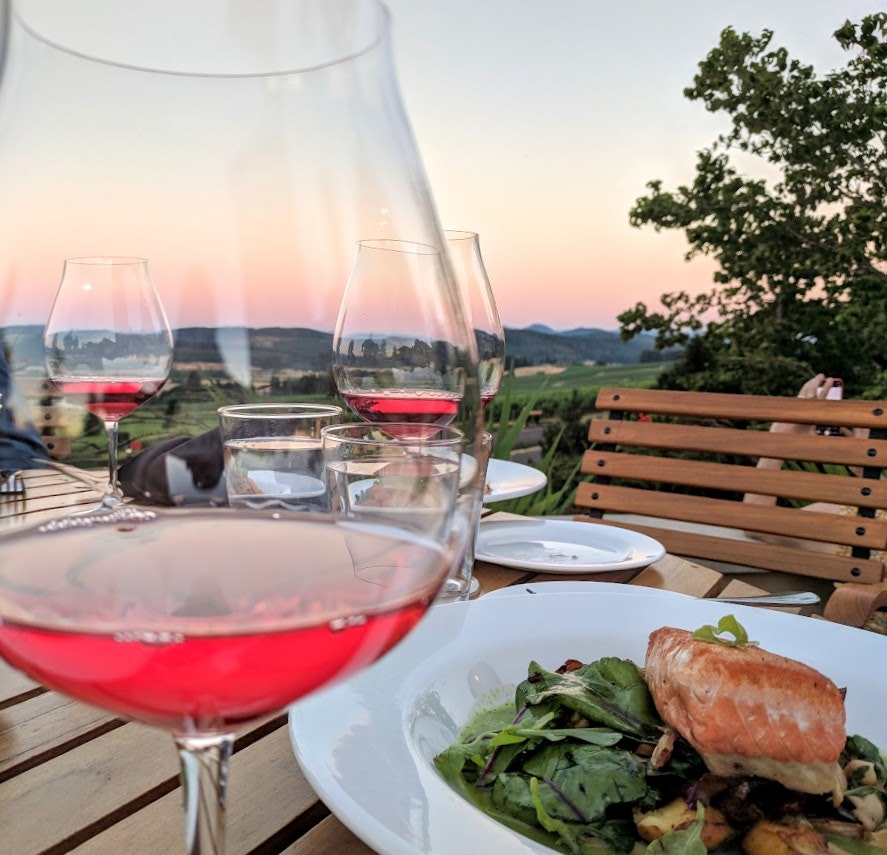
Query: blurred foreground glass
107 344
460 583
483 315
375 474
274 456
245 149
202 622
395 348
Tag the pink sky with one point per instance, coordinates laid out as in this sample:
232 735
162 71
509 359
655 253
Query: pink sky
545 131
538 129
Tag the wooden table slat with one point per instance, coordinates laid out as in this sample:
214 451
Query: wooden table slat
266 791
43 726
53 801
12 684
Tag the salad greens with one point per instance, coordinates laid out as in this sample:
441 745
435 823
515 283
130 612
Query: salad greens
582 756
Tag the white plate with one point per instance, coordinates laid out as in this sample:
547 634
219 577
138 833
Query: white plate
367 745
509 480
273 483
580 587
564 546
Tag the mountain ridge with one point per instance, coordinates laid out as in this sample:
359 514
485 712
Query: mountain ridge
308 349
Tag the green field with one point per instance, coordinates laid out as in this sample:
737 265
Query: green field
586 377
181 411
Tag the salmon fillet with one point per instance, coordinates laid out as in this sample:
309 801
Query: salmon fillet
748 711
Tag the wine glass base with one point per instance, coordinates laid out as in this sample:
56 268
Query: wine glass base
454 590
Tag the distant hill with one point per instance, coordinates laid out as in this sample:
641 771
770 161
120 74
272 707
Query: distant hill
309 350
539 344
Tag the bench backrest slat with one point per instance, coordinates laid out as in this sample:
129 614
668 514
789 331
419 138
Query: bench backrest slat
687 459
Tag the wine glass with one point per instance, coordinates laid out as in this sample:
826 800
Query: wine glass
477 296
473 282
396 352
203 621
108 344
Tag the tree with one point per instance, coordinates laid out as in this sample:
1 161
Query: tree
801 244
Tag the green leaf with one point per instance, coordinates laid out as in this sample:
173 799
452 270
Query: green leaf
727 624
686 841
610 692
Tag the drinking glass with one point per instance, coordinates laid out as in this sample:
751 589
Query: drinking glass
460 583
374 473
483 316
108 345
248 148
273 454
398 346
203 621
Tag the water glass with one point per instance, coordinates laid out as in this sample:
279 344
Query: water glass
375 473
273 454
461 584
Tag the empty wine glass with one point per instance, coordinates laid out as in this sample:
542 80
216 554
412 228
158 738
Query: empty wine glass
477 297
398 353
108 344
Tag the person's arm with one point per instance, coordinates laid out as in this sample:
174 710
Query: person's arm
20 443
815 387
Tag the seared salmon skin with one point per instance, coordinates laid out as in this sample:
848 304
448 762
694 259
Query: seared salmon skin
748 711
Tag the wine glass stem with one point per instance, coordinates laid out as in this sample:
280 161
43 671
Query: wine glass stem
204 762
113 491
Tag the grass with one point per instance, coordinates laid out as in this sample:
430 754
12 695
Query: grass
196 413
586 377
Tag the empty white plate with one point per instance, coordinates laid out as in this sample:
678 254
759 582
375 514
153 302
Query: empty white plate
564 546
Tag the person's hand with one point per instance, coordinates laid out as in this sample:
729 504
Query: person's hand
816 388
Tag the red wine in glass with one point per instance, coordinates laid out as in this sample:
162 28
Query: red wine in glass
158 621
202 621
109 400
399 347
477 295
433 408
107 343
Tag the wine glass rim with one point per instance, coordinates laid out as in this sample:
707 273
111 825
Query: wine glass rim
399 245
372 43
279 411
106 259
349 432
459 234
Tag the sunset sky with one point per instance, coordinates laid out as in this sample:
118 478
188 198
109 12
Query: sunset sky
540 125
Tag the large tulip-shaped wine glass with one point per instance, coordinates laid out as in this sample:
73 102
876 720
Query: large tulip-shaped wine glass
483 316
108 344
248 153
396 346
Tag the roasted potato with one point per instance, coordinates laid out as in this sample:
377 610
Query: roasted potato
774 838
676 816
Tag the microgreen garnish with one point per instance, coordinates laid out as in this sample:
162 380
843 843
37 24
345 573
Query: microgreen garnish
727 624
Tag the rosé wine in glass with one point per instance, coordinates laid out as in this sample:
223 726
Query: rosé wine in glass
109 400
167 617
433 408
107 343
399 346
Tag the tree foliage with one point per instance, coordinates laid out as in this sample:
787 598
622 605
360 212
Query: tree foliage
790 202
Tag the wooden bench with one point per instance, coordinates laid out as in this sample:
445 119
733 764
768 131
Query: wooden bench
677 466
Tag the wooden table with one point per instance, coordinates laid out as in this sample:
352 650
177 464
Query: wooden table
75 779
